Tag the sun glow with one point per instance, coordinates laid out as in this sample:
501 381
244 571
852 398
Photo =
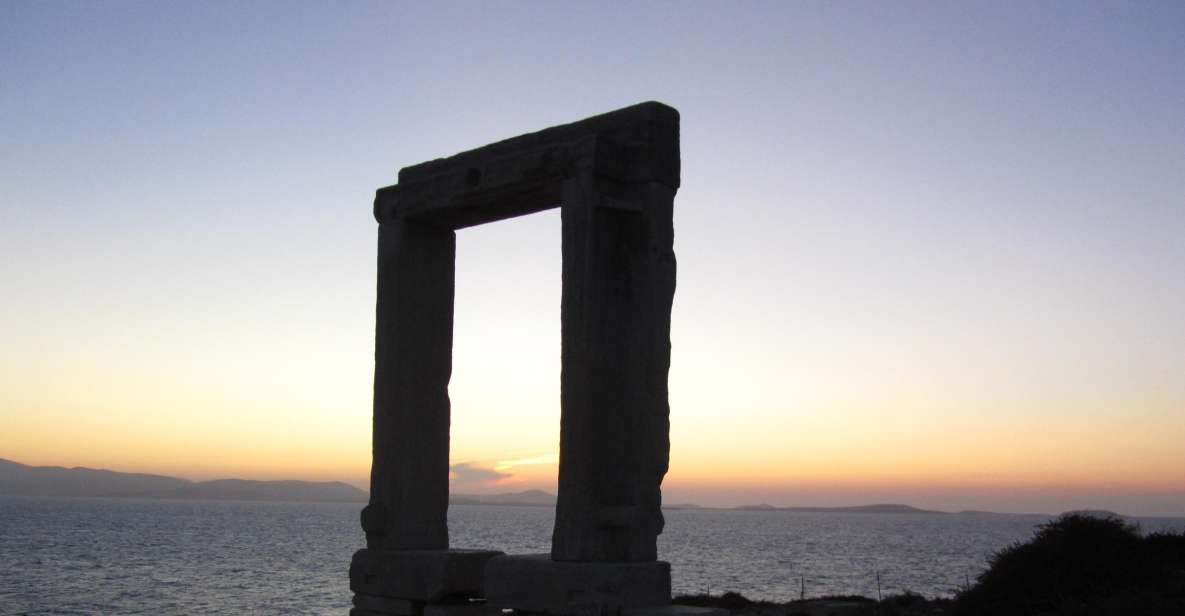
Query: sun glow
548 459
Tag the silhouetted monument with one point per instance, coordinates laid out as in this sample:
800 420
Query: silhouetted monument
614 176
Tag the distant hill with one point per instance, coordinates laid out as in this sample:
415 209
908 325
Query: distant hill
22 480
761 507
531 498
243 489
539 498
885 508
972 512
18 479
1093 513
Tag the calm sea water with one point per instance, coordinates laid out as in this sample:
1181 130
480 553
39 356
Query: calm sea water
115 556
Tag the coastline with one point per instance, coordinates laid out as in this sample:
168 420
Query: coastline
906 604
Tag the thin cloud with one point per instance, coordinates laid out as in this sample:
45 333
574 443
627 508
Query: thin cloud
467 473
549 458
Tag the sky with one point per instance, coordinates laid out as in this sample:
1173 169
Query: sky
928 253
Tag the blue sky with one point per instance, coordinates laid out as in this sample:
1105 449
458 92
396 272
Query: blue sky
904 230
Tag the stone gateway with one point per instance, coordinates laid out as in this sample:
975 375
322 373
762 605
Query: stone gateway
614 176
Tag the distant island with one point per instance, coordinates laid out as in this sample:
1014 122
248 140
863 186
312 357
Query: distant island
881 508
18 479
22 480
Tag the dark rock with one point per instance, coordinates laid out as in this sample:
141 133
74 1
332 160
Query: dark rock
419 575
536 583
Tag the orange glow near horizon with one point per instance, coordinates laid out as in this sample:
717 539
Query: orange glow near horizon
868 457
752 436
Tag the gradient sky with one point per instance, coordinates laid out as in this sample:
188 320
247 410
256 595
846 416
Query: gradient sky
928 253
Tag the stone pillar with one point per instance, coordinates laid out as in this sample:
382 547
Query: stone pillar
413 363
618 286
407 566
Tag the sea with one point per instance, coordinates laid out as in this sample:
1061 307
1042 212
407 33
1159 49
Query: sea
128 556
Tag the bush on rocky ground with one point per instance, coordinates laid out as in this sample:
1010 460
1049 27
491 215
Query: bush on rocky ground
907 604
1077 565
1083 565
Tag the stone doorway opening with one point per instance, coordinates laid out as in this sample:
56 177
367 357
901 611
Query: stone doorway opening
505 386
613 178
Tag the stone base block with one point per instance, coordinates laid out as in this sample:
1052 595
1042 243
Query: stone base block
458 609
423 576
676 610
386 605
535 583
370 605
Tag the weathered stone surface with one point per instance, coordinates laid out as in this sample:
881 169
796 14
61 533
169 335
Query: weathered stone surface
388 605
536 583
459 609
413 364
675 610
419 575
616 176
637 144
618 285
